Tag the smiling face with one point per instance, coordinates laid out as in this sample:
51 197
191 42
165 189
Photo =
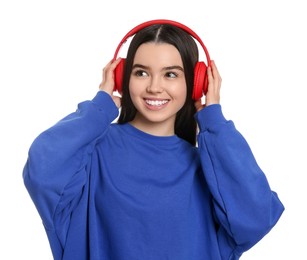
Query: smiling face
157 87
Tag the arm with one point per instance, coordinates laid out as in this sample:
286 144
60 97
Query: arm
245 206
55 171
59 155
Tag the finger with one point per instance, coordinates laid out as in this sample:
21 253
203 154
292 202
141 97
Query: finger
107 83
117 101
198 105
210 78
105 70
213 94
114 63
209 72
215 73
110 70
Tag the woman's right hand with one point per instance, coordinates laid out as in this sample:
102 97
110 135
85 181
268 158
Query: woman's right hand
107 84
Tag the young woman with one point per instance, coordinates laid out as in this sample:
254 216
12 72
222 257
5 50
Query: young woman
142 188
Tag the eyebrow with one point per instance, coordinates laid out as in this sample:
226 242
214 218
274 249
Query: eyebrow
176 67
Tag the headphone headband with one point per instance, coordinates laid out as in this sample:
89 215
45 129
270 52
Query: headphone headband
162 21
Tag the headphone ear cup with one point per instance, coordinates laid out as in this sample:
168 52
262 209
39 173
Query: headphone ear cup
200 80
118 76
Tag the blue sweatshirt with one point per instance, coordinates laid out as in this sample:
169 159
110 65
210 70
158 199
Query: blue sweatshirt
107 191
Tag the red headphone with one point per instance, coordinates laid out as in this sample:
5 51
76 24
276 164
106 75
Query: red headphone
200 70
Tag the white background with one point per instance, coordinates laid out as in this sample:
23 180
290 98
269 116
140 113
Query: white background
51 57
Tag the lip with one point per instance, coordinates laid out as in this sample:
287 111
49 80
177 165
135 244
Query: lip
156 103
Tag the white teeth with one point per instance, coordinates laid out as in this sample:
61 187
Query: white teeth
156 102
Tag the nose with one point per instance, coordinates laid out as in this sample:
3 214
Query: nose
154 86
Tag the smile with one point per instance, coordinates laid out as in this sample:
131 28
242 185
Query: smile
156 103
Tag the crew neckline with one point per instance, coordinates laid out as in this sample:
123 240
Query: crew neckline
155 139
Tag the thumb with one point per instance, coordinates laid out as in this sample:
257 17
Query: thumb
198 105
117 100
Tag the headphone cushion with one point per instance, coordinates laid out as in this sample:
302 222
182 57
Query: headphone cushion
118 76
200 80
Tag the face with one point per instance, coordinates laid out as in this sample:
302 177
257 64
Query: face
157 86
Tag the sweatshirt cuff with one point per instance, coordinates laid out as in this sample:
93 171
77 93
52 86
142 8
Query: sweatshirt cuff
104 102
210 116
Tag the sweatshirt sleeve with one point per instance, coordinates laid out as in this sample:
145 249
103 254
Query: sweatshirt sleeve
55 171
245 206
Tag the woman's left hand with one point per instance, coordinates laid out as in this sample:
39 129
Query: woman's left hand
214 86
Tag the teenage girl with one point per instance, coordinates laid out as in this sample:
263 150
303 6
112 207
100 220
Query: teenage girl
170 179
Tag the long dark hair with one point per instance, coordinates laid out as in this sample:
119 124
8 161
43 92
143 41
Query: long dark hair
185 124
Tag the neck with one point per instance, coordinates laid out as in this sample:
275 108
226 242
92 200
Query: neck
154 128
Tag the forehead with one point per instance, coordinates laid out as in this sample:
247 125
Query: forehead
163 53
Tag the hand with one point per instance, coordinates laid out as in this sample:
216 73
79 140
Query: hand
214 86
107 84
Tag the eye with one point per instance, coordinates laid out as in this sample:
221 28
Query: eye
140 73
171 74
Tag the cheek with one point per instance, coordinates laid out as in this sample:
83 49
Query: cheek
135 89
181 93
